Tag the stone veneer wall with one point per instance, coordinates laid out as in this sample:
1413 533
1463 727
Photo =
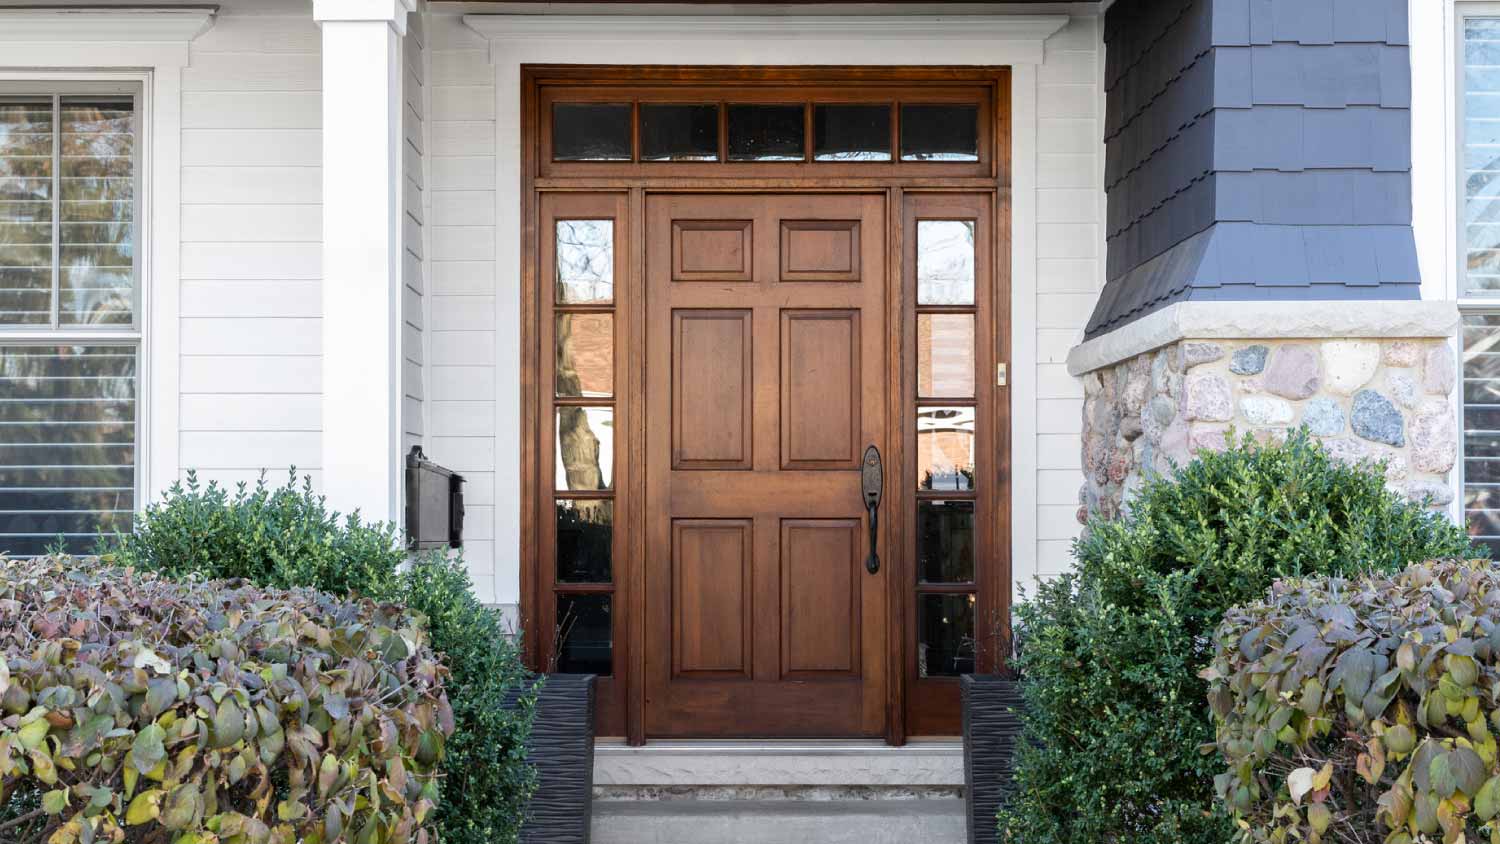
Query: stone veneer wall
1366 400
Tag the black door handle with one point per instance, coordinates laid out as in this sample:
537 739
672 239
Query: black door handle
872 478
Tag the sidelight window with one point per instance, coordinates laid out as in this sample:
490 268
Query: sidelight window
69 318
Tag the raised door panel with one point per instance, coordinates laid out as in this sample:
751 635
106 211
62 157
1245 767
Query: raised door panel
712 598
711 400
820 597
820 250
820 389
712 250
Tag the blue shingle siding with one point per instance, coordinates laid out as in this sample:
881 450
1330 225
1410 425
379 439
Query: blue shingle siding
1256 149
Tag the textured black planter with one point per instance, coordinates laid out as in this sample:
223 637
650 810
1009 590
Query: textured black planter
562 749
992 729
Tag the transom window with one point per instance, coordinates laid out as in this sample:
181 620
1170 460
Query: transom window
69 316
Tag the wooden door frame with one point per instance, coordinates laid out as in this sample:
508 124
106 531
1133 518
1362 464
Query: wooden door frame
895 181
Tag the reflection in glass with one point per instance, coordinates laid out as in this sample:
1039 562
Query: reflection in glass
945 262
585 535
945 355
945 448
945 541
671 132
945 635
585 345
1481 165
939 133
852 133
1481 418
585 262
591 132
26 139
584 641
98 211
67 460
585 448
766 132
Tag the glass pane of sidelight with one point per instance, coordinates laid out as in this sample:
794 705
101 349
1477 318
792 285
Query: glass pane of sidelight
671 132
585 538
585 262
945 635
945 356
1481 419
585 448
945 262
945 541
585 345
852 133
939 133
584 641
1481 160
945 448
26 140
98 211
591 132
766 132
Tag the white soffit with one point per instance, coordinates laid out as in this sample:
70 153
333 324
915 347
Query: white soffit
123 24
988 40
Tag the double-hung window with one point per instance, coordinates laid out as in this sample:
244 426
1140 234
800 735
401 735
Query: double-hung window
70 314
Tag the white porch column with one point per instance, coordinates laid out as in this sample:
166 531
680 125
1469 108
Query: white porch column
362 253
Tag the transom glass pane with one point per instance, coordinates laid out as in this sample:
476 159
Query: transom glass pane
671 132
1481 390
26 207
585 262
945 448
98 211
1481 223
585 641
945 262
585 448
945 635
852 133
939 133
945 356
591 132
67 459
585 540
585 346
766 132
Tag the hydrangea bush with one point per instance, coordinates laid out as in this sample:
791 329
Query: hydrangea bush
1363 710
139 709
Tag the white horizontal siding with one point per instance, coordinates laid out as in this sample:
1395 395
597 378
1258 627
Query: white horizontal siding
415 235
251 294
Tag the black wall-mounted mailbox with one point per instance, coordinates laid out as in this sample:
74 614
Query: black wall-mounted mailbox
434 504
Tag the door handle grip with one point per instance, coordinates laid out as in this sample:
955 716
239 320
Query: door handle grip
872 479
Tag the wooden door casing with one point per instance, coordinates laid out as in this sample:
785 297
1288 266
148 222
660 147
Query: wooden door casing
767 362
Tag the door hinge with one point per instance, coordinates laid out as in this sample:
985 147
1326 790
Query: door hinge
1001 378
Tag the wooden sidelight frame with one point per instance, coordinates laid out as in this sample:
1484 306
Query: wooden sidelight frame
913 190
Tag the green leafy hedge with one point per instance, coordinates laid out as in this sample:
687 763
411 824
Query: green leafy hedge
142 709
1111 653
287 537
1365 710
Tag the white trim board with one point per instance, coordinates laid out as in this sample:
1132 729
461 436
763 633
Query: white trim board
149 46
753 40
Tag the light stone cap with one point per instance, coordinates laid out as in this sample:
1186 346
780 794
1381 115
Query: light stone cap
1265 321
931 762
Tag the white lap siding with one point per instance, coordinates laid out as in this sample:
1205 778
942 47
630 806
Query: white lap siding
251 245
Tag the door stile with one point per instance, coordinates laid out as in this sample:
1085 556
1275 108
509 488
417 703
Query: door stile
635 514
995 588
531 407
897 554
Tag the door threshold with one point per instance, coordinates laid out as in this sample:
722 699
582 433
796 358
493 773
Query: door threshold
779 762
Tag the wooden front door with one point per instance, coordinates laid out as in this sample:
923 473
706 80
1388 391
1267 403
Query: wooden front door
767 372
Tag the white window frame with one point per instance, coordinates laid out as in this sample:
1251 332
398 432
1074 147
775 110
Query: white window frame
147 47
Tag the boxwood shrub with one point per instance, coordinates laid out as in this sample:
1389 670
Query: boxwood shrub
1117 714
1363 710
287 536
137 708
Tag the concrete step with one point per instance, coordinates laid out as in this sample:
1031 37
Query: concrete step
779 821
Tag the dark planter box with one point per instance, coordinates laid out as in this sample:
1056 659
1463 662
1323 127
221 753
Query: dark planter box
992 729
562 749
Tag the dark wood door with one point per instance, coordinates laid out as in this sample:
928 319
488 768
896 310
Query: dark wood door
766 378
